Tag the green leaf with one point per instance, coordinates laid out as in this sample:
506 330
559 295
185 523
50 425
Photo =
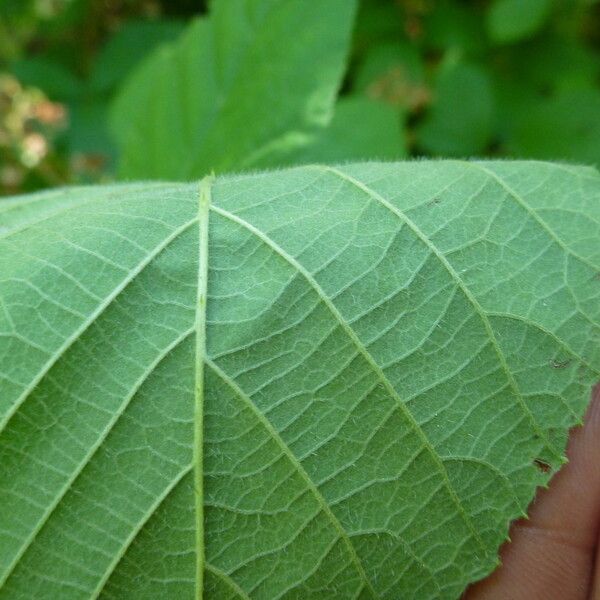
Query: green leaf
462 116
88 133
565 127
554 63
336 387
127 47
456 27
394 73
383 58
513 20
256 81
53 78
377 21
361 129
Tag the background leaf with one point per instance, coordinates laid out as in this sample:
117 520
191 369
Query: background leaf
510 20
568 124
270 72
389 349
127 47
64 61
361 129
51 76
461 119
454 26
392 72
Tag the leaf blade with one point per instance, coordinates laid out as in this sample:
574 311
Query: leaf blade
365 324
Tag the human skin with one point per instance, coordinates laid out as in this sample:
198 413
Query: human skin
553 554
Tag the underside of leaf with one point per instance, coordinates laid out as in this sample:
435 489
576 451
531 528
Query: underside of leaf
321 382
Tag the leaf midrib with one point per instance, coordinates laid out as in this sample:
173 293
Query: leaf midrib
204 200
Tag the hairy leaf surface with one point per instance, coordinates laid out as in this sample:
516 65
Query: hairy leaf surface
331 383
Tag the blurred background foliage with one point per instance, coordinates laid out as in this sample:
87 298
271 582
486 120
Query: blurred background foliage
456 78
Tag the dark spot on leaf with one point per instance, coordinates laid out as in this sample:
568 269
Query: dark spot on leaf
435 200
542 465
